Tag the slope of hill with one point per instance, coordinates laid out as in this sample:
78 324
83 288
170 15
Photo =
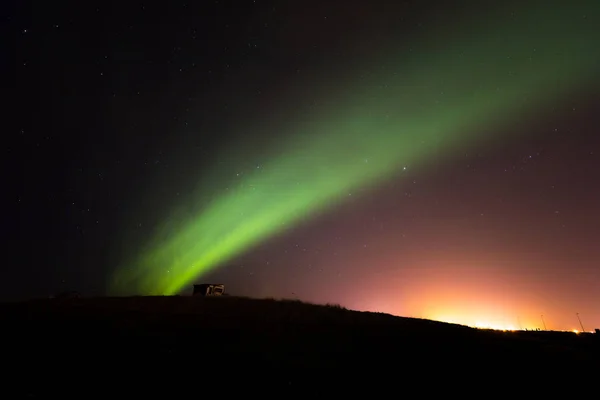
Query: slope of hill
267 342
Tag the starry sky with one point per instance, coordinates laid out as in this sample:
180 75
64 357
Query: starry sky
437 159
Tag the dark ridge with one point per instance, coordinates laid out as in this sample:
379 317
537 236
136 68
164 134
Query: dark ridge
283 346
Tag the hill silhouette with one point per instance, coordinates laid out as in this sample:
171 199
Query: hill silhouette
263 343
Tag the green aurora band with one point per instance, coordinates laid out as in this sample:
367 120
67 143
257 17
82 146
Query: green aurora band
422 106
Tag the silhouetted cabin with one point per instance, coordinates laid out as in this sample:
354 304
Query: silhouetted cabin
71 294
209 289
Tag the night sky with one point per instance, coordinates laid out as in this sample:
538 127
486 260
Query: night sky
428 159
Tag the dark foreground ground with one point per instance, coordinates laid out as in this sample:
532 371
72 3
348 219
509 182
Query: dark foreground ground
198 347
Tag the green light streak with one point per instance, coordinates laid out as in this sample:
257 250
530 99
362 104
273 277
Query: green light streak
420 106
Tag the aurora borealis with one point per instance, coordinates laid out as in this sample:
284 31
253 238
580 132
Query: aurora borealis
422 106
423 158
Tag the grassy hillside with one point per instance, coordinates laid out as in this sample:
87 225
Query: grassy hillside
267 342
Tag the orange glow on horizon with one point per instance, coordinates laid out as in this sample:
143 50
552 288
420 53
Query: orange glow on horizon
485 301
499 326
471 291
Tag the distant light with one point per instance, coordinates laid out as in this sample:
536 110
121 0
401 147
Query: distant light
575 331
483 325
